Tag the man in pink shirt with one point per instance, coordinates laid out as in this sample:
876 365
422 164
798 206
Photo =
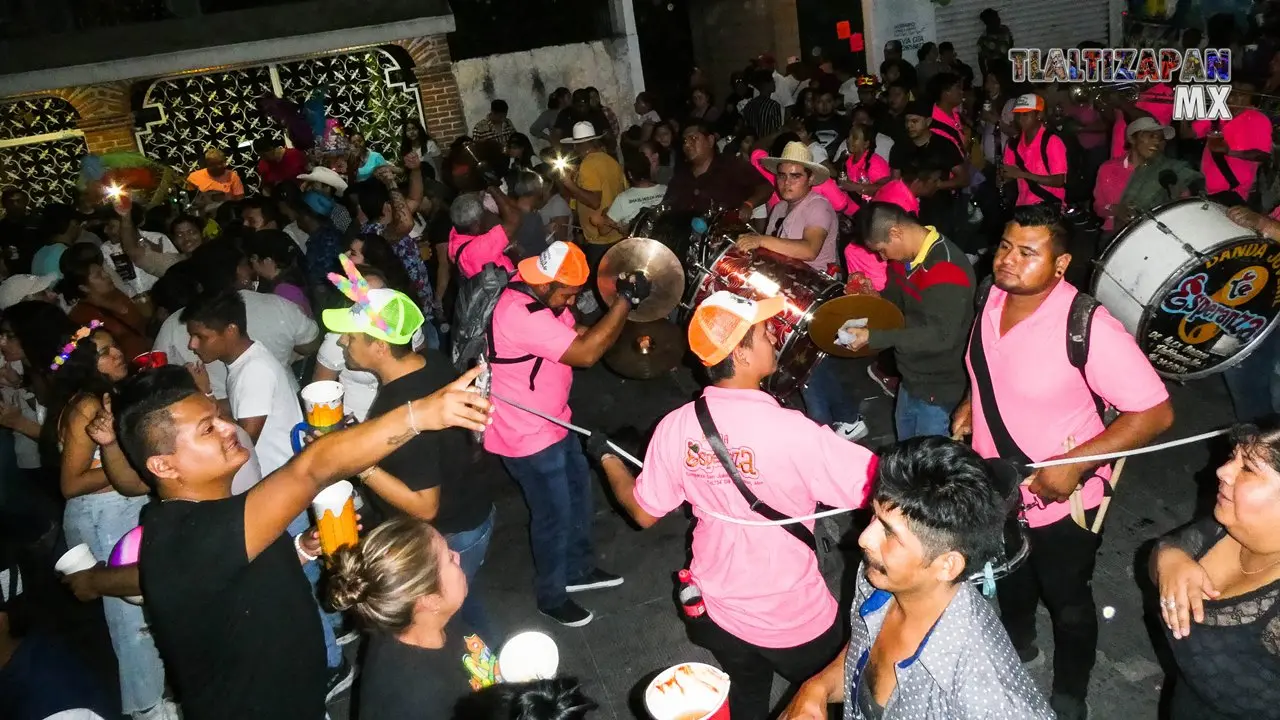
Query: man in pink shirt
536 345
479 235
1039 164
1050 412
1235 148
768 608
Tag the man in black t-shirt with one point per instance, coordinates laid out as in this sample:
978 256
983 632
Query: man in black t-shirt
827 127
229 605
439 477
926 150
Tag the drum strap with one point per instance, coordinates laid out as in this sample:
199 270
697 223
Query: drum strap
798 530
1224 167
1036 188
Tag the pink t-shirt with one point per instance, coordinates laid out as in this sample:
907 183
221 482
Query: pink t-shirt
950 120
1042 409
482 250
1034 161
864 170
897 193
812 211
519 330
860 259
827 188
1248 130
1113 176
759 583
1156 100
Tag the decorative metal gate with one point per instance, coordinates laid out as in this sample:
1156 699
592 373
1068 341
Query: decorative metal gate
369 90
40 148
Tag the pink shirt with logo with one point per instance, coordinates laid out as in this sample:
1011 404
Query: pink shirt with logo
1043 399
483 249
869 168
759 583
1034 161
523 326
1248 130
827 188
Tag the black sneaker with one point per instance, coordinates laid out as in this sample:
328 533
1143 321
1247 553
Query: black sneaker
594 580
1069 707
570 614
1030 656
340 679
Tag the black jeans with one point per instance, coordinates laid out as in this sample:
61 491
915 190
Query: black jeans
1059 572
751 667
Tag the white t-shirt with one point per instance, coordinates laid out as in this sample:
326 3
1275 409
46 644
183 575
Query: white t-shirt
299 236
143 280
26 449
819 152
650 117
259 386
273 321
631 201
250 473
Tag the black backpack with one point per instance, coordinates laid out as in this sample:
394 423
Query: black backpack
472 330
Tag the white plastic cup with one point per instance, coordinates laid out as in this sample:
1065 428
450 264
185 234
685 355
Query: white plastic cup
528 656
322 404
77 559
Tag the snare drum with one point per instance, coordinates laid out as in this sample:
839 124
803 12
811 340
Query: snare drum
764 273
1198 291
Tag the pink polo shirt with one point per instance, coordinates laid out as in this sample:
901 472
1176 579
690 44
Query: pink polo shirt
519 330
867 170
1044 407
1035 164
827 188
1248 130
1113 177
897 193
1156 100
759 583
482 250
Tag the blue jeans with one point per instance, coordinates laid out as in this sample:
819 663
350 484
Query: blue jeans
100 520
916 417
329 622
472 546
825 401
1252 383
557 488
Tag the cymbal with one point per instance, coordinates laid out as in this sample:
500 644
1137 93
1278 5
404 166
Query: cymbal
646 350
831 316
657 262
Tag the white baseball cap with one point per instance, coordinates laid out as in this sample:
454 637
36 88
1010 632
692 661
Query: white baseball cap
325 176
18 287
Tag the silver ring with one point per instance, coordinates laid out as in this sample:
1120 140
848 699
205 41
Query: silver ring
1169 603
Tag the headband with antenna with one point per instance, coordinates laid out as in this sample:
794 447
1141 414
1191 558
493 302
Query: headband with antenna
356 288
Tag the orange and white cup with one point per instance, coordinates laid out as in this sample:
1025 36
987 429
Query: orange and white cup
335 511
322 405
688 691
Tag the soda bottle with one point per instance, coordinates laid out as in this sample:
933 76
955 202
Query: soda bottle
690 595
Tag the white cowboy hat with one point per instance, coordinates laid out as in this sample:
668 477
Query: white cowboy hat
799 154
582 132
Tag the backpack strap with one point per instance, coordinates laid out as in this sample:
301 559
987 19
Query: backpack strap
536 304
1034 187
1079 327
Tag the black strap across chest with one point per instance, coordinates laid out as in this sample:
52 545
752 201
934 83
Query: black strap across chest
533 306
798 530
1036 188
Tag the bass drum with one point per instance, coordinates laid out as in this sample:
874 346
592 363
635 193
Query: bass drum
764 273
1197 291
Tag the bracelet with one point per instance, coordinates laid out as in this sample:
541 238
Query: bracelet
297 545
413 424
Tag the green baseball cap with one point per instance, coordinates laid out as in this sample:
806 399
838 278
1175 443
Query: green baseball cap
388 315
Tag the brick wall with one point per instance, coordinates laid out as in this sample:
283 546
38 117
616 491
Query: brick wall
105 115
441 102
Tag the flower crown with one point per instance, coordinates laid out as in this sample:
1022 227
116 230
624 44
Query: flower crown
70 347
355 287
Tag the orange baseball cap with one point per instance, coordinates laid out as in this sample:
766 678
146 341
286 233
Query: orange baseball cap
723 319
1030 102
561 262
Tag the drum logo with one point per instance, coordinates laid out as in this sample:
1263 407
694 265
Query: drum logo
1207 316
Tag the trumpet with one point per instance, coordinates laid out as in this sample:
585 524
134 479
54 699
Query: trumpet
1098 95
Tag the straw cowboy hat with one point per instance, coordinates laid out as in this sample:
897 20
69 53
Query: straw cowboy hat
797 153
582 132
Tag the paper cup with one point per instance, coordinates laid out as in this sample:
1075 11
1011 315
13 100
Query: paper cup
335 511
689 691
528 656
322 404
77 559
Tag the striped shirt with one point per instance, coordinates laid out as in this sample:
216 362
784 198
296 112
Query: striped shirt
763 116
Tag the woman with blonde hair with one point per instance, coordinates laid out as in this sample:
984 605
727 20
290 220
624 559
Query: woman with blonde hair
404 584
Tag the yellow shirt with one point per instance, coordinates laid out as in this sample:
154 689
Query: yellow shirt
925 246
599 172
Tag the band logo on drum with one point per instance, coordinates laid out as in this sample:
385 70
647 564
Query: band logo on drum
1192 299
1201 91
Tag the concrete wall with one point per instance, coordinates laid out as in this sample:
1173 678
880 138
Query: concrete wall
525 79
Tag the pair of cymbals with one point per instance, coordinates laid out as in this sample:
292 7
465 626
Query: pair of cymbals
646 350
658 263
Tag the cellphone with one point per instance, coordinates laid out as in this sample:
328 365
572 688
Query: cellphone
482 385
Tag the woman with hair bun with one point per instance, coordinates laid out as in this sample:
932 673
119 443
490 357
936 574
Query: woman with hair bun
404 584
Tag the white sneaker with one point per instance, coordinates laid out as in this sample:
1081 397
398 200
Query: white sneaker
850 431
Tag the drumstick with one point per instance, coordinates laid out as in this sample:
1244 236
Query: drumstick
1106 501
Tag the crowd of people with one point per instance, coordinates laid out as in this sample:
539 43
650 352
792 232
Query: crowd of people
153 358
